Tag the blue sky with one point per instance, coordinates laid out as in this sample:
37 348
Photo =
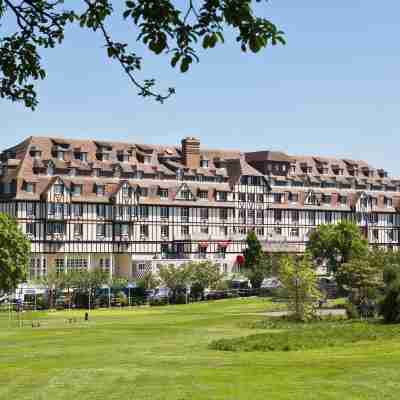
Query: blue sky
333 90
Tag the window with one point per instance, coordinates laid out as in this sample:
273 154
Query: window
105 264
203 194
78 229
204 163
58 188
101 230
328 217
60 155
185 194
100 190
260 214
375 234
144 231
242 196
185 230
387 202
260 198
146 160
390 219
311 217
223 213
59 265
204 213
294 232
251 197
390 235
204 229
56 209
326 198
278 216
293 197
76 190
221 251
80 156
144 192
31 229
144 211
101 210
277 197
251 214
164 230
77 264
222 196
185 213
223 230
56 228
343 200
29 187
260 231
373 218
77 210
278 231
121 229
30 209
295 216
164 212
163 193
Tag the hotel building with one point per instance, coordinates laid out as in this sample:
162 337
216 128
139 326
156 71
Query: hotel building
128 207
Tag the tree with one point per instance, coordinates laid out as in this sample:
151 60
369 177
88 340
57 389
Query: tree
337 244
89 282
53 282
149 281
299 278
390 302
363 274
257 265
15 251
203 275
161 26
176 278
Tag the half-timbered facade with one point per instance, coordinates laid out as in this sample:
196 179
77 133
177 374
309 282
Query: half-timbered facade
127 208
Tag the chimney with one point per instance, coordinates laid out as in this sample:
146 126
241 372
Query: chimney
191 152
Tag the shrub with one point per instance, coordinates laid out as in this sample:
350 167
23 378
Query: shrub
390 304
158 301
352 311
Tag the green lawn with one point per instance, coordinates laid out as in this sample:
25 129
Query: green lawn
163 353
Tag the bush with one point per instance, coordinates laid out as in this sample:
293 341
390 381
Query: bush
158 301
352 311
390 304
122 299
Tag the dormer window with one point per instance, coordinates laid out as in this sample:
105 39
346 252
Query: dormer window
35 152
72 172
204 163
146 160
59 188
29 187
179 173
76 190
60 155
123 156
50 169
80 155
126 192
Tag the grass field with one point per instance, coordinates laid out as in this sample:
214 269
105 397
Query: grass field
163 353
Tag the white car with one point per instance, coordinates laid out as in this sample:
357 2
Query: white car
271 283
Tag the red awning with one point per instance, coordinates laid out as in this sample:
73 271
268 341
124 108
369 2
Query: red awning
224 243
203 244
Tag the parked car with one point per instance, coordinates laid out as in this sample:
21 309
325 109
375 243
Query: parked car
271 283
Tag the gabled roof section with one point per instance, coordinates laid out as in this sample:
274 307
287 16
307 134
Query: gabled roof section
184 187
